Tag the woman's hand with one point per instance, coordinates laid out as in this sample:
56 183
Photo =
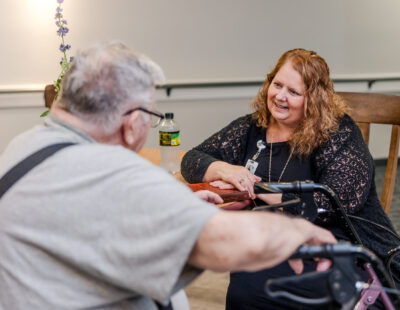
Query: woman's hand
270 199
221 184
238 176
209 196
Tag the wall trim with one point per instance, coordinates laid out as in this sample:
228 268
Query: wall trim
15 96
338 78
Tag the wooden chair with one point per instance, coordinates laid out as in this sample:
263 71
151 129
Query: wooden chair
368 108
49 95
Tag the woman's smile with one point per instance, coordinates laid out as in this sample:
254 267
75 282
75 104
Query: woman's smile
280 106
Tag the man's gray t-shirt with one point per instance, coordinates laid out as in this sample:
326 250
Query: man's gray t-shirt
93 226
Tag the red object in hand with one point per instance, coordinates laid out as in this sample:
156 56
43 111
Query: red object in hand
228 195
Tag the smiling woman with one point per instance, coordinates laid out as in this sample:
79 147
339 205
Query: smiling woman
302 123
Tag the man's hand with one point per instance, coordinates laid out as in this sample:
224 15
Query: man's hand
317 236
216 199
209 196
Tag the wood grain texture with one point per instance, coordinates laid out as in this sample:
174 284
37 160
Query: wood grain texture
371 108
49 95
228 195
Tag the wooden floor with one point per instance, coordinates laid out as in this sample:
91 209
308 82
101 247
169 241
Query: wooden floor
208 291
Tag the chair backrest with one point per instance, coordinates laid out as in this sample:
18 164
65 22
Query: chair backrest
49 95
370 108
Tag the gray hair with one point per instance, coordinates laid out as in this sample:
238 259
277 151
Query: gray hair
105 81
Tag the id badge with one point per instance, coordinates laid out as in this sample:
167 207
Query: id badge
251 165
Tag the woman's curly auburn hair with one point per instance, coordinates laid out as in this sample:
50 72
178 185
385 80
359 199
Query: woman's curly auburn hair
322 107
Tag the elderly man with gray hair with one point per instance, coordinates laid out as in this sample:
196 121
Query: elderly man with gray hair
95 226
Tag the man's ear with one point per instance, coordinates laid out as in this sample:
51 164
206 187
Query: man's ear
130 128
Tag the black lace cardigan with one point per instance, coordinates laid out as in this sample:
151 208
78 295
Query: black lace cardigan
344 163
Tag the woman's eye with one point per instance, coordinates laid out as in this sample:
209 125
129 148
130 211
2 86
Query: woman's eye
293 92
277 84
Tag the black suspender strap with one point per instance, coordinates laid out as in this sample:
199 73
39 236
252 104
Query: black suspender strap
161 307
19 170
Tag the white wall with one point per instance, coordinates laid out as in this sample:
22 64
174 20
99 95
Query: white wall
197 41
202 40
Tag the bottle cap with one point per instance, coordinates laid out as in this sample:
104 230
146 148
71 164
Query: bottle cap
169 115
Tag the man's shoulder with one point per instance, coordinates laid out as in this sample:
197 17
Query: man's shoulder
20 147
88 156
104 156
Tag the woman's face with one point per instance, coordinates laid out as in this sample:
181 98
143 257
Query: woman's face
286 96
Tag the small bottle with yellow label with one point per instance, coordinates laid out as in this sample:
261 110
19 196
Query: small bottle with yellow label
169 135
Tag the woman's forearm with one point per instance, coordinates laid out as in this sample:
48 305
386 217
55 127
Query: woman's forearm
215 171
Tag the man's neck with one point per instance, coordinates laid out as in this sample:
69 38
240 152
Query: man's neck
91 130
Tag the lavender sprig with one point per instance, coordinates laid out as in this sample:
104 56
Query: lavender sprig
62 31
65 62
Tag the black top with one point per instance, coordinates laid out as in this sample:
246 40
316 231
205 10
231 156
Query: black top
343 163
296 169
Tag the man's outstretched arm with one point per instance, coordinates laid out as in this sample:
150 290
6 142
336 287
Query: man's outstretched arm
250 241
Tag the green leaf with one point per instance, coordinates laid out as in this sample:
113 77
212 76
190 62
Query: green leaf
44 113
